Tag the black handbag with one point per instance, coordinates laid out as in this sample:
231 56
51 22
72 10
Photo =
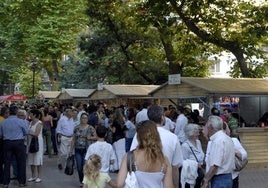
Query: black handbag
34 145
69 169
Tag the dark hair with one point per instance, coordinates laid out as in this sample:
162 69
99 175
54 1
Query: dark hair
36 113
13 110
228 110
155 113
181 109
3 111
91 109
215 111
78 105
146 104
46 111
101 131
131 113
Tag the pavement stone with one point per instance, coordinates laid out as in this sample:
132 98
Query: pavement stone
54 178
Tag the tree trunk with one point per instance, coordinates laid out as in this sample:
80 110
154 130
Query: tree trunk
174 66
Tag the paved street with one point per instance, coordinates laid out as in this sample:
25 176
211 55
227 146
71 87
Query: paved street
54 178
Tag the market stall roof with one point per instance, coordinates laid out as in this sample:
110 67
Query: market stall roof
14 97
75 94
124 91
47 95
201 87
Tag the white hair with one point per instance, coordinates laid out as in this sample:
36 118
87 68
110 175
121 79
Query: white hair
189 129
22 111
215 122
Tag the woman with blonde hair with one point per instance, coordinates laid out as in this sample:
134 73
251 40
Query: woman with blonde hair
93 178
152 168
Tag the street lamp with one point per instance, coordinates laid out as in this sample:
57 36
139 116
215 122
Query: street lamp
33 67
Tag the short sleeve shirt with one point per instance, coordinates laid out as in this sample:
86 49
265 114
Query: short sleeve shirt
100 182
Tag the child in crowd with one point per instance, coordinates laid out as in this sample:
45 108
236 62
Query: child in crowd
103 149
92 175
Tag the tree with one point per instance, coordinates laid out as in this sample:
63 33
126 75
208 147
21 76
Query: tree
237 26
44 29
130 50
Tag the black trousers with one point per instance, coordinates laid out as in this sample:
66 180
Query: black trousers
18 149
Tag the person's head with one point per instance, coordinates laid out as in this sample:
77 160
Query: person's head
146 104
13 110
156 114
173 115
35 114
92 167
149 140
84 118
215 112
131 113
227 112
21 114
196 112
191 131
69 112
75 112
101 131
4 112
51 108
215 124
92 109
180 109
45 110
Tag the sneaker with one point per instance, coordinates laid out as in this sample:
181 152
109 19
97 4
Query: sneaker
31 179
22 185
38 180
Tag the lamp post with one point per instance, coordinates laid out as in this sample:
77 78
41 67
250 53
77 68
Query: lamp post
33 67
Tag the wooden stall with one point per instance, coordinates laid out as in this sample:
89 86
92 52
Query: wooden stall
255 141
46 96
253 100
74 95
115 95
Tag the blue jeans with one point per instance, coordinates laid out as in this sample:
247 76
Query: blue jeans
54 141
128 143
80 161
222 181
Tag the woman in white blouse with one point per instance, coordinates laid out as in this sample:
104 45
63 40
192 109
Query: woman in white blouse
192 149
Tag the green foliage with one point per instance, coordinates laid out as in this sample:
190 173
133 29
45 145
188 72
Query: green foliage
24 76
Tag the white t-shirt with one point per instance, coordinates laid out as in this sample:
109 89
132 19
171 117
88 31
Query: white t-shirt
221 152
142 115
181 123
105 151
169 125
171 146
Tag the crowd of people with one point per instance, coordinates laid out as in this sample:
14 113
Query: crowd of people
165 143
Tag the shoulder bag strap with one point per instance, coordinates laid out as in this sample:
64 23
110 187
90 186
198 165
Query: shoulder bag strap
193 153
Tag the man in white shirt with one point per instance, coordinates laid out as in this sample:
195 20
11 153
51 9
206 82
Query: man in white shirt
181 123
103 149
65 130
142 115
220 158
171 145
